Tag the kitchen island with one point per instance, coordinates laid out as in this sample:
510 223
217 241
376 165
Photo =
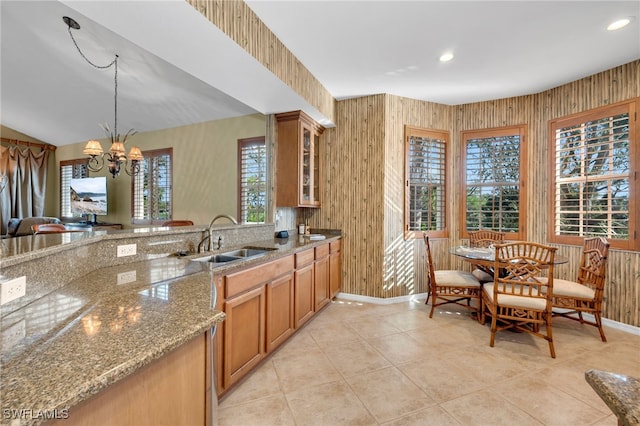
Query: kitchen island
69 347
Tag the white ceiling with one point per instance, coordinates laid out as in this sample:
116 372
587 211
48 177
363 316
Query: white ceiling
176 68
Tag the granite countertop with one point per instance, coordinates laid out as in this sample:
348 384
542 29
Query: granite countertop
70 344
621 394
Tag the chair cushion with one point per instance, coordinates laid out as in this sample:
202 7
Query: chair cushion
25 224
482 276
536 303
564 288
456 279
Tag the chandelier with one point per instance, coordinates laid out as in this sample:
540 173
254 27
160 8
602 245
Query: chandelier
115 158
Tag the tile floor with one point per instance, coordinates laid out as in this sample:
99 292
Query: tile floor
366 364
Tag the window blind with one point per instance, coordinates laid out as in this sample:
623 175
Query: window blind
426 182
493 183
592 180
252 180
152 188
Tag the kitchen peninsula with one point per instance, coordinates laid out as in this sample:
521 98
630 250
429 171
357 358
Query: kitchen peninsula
81 331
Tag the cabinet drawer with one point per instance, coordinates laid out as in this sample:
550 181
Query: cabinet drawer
335 246
246 279
322 251
304 258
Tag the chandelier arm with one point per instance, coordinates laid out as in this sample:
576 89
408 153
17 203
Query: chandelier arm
94 164
132 167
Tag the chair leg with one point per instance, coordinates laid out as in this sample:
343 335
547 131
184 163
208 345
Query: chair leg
433 307
599 325
550 335
494 327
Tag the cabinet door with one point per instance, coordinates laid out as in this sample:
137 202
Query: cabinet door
298 160
321 276
310 162
303 295
335 273
244 334
316 170
279 311
306 160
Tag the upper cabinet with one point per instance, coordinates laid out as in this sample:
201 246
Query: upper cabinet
298 160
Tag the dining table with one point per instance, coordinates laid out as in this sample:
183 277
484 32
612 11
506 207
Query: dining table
484 257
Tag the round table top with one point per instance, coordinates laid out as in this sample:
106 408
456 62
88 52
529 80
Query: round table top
487 254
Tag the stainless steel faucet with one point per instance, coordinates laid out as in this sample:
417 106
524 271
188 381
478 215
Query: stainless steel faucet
220 216
219 239
209 233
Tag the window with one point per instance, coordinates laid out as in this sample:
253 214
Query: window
493 197
152 188
593 176
70 169
425 182
252 180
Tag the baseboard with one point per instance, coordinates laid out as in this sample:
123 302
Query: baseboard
423 296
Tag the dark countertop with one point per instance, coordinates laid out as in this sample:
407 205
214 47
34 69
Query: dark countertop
620 393
70 344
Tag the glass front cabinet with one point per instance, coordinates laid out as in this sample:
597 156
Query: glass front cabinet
298 160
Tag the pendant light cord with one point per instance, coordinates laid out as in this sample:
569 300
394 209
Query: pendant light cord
115 78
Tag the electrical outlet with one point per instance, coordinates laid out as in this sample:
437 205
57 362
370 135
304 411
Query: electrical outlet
127 250
13 289
126 277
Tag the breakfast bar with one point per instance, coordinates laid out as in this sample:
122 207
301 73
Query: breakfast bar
70 346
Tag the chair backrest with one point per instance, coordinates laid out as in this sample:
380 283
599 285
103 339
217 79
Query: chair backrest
593 263
520 265
485 237
177 223
431 270
48 228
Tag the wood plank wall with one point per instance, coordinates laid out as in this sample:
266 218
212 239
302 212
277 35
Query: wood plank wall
353 175
242 25
363 158
399 270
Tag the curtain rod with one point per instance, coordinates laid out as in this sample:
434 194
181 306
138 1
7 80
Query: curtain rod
29 144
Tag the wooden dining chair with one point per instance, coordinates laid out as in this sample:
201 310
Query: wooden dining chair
177 223
48 228
450 286
518 298
584 295
484 238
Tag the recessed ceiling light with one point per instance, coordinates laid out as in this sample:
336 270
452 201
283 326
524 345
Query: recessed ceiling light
446 57
620 23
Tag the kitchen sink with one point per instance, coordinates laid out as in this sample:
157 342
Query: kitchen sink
247 252
235 255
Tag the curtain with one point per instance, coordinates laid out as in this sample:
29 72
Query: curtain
26 181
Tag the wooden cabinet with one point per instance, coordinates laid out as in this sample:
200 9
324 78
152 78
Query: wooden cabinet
321 276
303 298
279 311
258 304
244 334
298 160
335 268
265 304
303 295
170 390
